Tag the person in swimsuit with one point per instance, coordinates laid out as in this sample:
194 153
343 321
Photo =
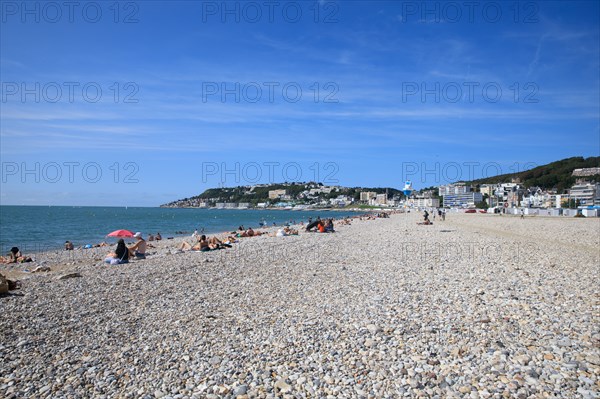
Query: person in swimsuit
138 250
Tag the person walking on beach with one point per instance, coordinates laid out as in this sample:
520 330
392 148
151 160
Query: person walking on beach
522 214
443 214
426 216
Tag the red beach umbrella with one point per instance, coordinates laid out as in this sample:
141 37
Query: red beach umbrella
120 233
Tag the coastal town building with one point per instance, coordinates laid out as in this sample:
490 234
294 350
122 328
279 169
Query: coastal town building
536 197
509 194
459 195
585 193
454 189
365 196
381 199
277 194
424 199
586 172
340 201
425 202
487 189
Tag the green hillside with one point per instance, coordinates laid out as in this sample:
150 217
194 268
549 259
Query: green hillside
556 175
260 193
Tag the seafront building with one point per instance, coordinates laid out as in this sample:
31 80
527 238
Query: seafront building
424 200
585 193
459 195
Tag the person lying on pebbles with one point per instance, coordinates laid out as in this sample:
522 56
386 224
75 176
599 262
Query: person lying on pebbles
250 233
204 244
15 256
286 231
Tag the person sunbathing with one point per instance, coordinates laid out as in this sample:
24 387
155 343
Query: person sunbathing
321 227
185 246
214 243
138 250
230 240
200 244
329 226
120 256
204 244
291 232
250 233
15 256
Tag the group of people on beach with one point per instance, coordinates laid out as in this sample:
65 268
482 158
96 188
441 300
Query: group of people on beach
123 253
441 213
206 244
15 256
321 226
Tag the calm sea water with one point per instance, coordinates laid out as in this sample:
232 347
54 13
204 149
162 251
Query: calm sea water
40 228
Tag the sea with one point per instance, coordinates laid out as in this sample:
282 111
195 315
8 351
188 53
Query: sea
43 228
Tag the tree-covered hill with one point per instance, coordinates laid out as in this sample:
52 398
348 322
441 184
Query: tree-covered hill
555 175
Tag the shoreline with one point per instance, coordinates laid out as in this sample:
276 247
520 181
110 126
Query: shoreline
37 230
60 259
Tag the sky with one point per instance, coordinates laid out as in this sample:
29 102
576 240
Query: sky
139 103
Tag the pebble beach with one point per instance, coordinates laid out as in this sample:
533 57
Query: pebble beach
476 306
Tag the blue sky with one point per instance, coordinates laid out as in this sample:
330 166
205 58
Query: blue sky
145 102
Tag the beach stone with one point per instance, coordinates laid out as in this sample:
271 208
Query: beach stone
3 284
283 386
593 359
564 342
69 275
373 329
240 390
